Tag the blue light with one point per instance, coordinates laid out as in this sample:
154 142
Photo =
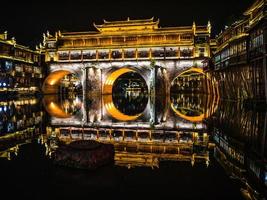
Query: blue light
8 65
0 84
4 84
1 109
5 108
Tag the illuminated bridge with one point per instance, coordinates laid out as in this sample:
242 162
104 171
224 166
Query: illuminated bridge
173 130
161 56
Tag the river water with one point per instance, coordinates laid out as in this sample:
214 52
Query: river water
183 146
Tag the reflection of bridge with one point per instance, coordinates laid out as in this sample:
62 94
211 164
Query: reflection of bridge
138 140
159 55
100 111
144 147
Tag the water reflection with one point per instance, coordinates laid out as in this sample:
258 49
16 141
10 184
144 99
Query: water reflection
20 121
62 107
146 132
241 145
131 103
194 108
125 121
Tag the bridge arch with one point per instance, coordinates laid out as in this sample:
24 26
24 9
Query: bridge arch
189 74
115 112
113 75
52 81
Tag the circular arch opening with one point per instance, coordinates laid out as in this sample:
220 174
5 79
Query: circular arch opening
62 81
127 94
193 80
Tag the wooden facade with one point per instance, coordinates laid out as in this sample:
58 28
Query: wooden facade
128 40
20 67
240 60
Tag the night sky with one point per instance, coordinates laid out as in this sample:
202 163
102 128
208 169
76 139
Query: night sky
27 20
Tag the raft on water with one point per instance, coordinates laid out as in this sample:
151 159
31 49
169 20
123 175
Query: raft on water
84 154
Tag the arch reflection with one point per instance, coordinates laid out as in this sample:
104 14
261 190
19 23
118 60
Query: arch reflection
193 108
62 107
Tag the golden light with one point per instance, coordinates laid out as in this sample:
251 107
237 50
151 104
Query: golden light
53 108
193 69
114 112
112 78
53 80
188 118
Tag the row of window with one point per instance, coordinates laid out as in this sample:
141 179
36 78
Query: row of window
19 81
9 50
122 40
7 66
256 41
232 152
234 49
126 54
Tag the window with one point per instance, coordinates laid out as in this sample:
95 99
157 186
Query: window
143 53
103 54
129 53
89 55
158 52
201 39
51 44
75 55
171 51
116 54
186 52
201 51
8 66
63 55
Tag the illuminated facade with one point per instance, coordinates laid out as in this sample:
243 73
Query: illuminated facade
20 68
117 47
241 56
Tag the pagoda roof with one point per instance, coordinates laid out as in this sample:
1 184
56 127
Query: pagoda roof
257 4
126 25
129 21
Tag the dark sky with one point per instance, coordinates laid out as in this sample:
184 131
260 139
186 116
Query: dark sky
27 20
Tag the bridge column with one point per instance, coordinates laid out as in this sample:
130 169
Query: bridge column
94 80
265 59
83 80
152 92
84 87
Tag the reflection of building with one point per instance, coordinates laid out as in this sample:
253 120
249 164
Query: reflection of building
241 144
240 57
19 115
20 121
20 69
239 164
144 147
